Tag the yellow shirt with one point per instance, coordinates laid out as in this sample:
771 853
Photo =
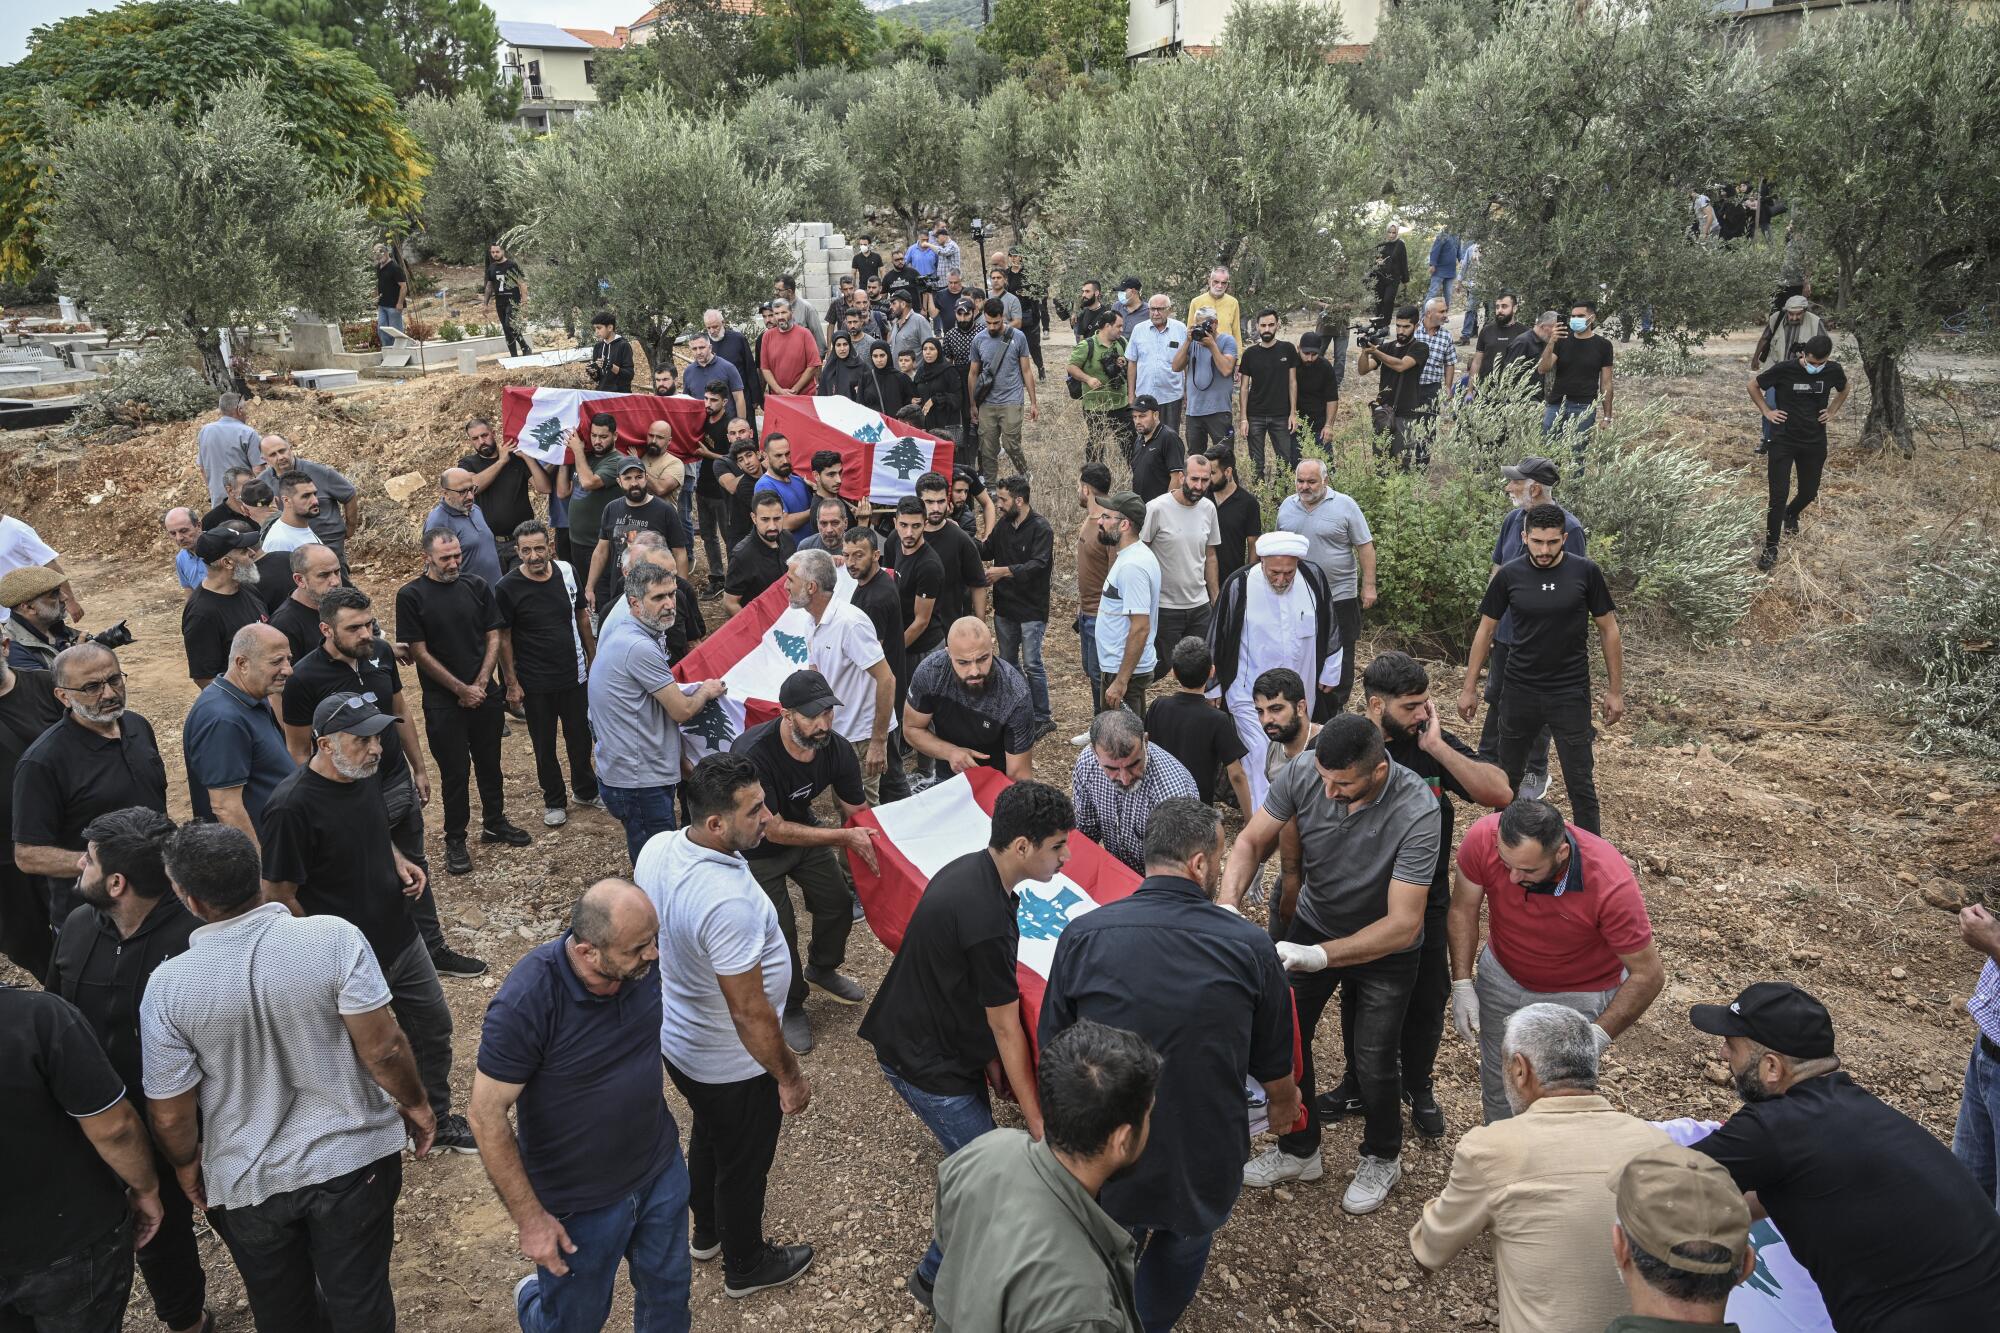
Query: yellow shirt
664 469
1537 1183
1228 313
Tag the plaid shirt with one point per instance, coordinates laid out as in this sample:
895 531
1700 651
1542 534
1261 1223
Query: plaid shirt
1984 1006
1442 363
1115 817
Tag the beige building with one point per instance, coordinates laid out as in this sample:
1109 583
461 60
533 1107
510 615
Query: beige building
555 69
644 27
1155 28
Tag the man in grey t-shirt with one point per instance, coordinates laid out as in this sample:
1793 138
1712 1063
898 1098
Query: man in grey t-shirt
999 380
1339 542
228 441
339 501
1368 832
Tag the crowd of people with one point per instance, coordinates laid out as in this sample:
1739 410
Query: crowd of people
244 1014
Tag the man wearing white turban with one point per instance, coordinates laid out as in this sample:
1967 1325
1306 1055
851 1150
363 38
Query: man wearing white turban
1275 613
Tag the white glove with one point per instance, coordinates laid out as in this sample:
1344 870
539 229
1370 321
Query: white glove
1465 1010
1301 957
1601 1037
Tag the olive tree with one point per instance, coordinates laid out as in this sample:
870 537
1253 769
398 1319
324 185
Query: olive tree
898 136
1015 144
213 223
1575 175
781 138
659 235
465 197
1898 216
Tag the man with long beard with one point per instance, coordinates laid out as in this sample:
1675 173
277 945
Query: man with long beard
1274 614
225 602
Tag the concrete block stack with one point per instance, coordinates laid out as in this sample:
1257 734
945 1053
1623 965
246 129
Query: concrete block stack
822 255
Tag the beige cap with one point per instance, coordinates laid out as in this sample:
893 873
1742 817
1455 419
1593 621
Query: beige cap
1670 1196
27 583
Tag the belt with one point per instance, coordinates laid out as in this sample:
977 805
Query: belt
1989 1047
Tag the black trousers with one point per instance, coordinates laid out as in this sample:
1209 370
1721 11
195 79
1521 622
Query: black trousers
1778 471
1347 619
1380 990
570 707
316 1259
465 741
170 1262
406 831
714 518
24 918
729 1154
822 883
1524 711
1033 328
505 307
1423 1021
1489 730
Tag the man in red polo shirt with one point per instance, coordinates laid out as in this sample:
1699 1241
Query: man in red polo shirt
786 352
1565 925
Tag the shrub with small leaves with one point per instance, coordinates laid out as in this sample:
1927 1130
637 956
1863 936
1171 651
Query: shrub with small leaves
491 331
422 330
156 386
1660 359
450 332
1941 633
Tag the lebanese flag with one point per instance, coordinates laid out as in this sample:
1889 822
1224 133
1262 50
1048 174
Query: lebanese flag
922 834
752 652
883 456
539 418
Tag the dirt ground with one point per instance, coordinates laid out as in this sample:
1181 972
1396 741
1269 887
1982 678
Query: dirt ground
1780 828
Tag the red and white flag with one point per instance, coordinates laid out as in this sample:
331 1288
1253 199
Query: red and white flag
883 456
540 419
752 652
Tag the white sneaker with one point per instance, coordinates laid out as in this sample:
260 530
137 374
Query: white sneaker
1374 1177
1275 1166
554 817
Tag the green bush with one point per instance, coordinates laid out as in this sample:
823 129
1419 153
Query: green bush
450 332
1941 633
1660 359
156 386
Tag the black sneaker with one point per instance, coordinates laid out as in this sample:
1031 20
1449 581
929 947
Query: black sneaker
703 1247
505 832
1340 1100
456 859
1425 1114
454 1135
798 1031
1763 447
1044 728
1791 525
712 591
838 986
451 963
1535 783
922 1292
1768 559
782 1264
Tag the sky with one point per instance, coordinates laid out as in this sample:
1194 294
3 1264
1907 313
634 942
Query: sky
18 16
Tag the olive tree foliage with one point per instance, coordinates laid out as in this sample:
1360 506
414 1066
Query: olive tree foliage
1295 35
1575 175
1230 160
1897 217
684 225
896 137
1416 39
465 197
212 223
779 137
1016 143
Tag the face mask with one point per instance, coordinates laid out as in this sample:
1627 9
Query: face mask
1812 369
1578 324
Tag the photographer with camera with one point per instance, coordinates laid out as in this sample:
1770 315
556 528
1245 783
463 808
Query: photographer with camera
1209 359
1097 378
1000 383
1401 359
38 626
610 364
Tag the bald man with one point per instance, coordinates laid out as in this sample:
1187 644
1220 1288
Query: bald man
966 708
458 511
235 749
571 1044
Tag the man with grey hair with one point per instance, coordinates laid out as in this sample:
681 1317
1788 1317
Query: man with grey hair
1119 779
829 524
844 647
226 442
705 367
183 526
1536 1181
458 513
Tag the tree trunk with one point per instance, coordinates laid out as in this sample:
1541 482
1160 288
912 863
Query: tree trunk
1888 412
214 366
659 349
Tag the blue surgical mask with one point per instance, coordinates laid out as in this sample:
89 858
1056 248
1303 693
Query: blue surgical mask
1812 369
1577 324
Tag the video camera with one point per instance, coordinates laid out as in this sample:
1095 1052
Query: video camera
1371 334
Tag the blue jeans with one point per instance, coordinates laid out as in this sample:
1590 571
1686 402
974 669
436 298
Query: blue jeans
1584 415
648 1228
1441 285
1086 629
955 1121
1976 1141
1471 324
643 811
389 315
1170 1269
1021 644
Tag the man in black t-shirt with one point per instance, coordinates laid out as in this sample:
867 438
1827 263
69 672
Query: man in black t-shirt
315 571
226 601
758 561
738 483
1554 596
951 1002
876 596
1191 729
1237 510
452 627
1269 369
1528 346
1399 402
1397 694
636 510
798 755
545 649
505 291
1492 342
1158 455
327 852
866 263
392 289
506 479
718 432
1319 388
1810 393
919 580
964 592
1577 364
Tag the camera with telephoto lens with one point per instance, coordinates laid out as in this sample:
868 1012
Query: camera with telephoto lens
1372 334
115 637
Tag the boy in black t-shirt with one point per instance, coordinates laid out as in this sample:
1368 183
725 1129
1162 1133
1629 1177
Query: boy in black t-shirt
1191 729
1810 392
1319 387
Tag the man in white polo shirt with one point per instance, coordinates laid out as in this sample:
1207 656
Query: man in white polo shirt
845 648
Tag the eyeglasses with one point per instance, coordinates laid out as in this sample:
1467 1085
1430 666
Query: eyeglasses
93 688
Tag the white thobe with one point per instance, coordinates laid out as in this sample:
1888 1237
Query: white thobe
1278 631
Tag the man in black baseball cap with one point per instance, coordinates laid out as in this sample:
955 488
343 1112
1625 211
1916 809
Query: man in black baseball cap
227 599
1131 305
1893 1229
